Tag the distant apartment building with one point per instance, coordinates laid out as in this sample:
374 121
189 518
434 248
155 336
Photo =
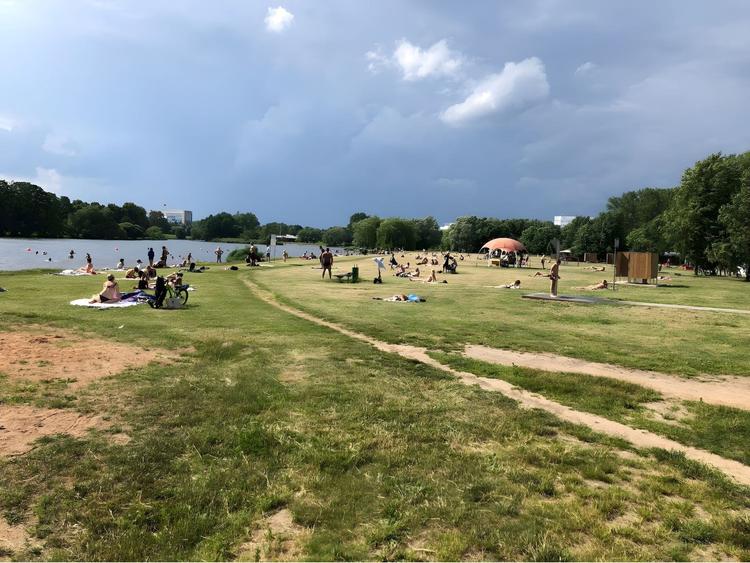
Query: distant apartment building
179 217
562 220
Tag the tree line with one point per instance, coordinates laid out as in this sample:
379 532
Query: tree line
706 219
26 210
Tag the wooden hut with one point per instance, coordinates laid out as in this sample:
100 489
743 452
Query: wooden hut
638 267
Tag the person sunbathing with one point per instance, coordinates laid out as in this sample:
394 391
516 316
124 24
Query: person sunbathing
601 285
133 273
514 285
110 292
87 269
597 268
400 297
539 275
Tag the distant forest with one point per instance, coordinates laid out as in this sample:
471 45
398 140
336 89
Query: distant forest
706 219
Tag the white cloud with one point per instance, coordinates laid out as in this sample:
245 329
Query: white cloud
416 63
7 123
278 19
47 178
518 85
585 68
376 60
58 144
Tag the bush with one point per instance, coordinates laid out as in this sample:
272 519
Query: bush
154 233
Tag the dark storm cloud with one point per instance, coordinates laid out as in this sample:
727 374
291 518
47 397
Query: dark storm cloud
398 108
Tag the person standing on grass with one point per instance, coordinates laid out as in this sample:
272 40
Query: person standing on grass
151 256
544 259
326 260
554 275
218 253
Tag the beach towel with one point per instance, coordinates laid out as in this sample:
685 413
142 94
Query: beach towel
71 273
117 305
128 300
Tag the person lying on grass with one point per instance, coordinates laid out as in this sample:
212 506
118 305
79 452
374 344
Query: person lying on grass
402 297
431 279
110 292
515 285
601 285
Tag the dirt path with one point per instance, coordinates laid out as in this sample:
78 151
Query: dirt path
716 390
639 438
685 307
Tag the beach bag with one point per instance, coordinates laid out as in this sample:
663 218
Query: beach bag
173 303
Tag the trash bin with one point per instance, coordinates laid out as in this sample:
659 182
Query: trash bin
355 274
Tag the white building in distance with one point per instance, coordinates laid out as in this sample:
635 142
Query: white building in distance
178 216
563 220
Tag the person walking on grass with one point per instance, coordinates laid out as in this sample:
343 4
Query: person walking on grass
326 261
554 275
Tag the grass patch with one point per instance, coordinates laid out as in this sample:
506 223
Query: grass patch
374 456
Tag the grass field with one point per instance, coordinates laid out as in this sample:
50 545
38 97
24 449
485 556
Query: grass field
274 438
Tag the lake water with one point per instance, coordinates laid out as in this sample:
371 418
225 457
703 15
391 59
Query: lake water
23 254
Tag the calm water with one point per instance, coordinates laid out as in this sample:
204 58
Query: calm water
21 254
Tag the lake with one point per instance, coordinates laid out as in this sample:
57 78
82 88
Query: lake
23 254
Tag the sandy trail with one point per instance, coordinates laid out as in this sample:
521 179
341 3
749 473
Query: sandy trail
639 438
727 391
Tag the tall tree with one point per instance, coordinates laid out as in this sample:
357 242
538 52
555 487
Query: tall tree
366 232
735 217
397 233
693 218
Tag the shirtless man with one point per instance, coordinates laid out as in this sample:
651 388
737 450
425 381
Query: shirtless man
326 261
554 275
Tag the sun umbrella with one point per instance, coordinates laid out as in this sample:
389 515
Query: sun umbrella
506 244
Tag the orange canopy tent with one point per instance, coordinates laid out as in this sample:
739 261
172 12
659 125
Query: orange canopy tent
506 244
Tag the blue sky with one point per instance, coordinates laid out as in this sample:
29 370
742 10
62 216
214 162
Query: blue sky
305 112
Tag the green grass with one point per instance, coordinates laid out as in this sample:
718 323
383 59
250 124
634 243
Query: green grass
375 456
721 430
468 309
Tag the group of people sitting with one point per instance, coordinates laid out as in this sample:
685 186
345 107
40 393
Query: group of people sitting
111 293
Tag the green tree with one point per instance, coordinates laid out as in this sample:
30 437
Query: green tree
427 233
397 233
135 214
310 234
356 218
157 219
154 233
247 225
366 232
735 217
692 221
337 236
537 236
131 231
95 222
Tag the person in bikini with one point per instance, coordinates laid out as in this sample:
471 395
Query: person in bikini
110 293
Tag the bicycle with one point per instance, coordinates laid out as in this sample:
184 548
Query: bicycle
180 292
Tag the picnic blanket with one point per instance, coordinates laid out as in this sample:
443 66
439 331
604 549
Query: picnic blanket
128 300
71 273
109 305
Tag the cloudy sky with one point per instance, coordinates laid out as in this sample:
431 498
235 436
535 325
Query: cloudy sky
305 112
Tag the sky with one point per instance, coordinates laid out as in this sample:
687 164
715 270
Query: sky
306 112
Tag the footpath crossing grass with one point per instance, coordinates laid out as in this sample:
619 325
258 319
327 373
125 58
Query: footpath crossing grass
468 309
374 456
